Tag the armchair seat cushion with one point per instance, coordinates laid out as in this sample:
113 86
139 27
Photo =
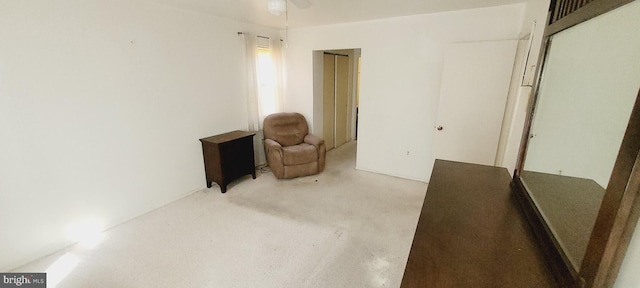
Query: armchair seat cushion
299 154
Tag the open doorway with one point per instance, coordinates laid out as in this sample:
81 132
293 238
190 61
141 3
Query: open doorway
336 95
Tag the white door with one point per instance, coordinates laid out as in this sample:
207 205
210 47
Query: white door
475 83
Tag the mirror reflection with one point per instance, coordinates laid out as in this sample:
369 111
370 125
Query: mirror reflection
590 81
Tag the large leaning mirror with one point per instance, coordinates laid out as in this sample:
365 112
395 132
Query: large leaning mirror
586 92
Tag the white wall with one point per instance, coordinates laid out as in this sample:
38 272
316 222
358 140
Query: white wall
102 104
400 78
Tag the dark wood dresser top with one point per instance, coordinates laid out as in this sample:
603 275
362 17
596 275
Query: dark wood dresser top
226 137
471 233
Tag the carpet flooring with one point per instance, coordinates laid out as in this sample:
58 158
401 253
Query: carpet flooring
341 228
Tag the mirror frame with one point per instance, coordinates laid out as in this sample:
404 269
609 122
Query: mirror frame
620 208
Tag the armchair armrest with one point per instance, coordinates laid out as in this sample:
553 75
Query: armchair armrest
313 140
319 144
272 145
274 157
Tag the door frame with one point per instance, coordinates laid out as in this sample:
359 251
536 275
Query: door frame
318 89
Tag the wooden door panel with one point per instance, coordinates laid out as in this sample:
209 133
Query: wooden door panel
328 103
342 100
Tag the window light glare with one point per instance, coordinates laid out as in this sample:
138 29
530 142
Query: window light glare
88 233
266 82
61 269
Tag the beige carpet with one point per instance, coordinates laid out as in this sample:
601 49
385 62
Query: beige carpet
342 228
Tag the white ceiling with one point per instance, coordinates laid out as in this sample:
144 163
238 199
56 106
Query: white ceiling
324 12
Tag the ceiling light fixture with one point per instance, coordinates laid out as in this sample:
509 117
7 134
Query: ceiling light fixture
277 7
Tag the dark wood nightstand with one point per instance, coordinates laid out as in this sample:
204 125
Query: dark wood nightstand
227 157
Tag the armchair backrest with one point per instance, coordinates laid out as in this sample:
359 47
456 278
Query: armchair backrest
286 128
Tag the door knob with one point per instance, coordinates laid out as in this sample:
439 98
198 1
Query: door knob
439 128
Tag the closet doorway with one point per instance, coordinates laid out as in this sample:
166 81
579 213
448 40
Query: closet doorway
335 95
335 99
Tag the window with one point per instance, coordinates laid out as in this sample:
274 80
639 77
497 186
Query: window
266 78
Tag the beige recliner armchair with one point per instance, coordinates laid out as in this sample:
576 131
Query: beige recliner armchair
291 150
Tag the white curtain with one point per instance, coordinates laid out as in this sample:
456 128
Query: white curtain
253 102
276 53
262 101
263 96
